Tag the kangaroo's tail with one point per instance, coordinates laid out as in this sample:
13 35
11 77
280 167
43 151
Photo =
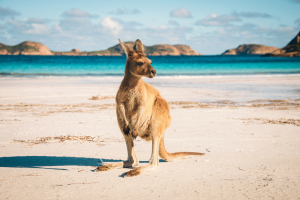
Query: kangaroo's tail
173 156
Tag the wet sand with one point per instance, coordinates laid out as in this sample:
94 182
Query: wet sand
53 135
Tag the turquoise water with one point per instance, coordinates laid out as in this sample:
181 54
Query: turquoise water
164 65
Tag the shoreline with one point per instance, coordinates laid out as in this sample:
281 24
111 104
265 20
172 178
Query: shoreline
175 76
267 55
236 89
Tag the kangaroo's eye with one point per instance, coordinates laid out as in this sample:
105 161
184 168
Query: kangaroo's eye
140 63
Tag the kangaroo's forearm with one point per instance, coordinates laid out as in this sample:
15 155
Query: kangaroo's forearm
121 110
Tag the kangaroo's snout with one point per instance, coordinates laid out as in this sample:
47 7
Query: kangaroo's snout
152 73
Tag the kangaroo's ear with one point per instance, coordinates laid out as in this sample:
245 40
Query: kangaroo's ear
138 46
126 48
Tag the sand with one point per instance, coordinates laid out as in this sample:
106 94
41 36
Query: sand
52 137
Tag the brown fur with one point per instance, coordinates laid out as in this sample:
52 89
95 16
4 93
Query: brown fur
143 112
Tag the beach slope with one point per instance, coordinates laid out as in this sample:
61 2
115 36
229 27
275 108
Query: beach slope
53 135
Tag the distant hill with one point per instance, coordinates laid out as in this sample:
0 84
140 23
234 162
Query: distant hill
155 50
293 45
292 49
25 48
250 49
34 48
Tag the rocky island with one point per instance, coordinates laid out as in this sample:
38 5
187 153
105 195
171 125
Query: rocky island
25 48
292 49
35 48
250 49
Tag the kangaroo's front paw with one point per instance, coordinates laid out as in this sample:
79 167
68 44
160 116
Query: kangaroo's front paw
126 130
134 133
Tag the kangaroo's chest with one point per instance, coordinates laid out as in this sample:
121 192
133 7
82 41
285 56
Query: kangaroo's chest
130 98
132 105
131 102
136 101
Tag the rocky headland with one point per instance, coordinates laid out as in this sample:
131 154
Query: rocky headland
25 48
292 49
250 49
35 48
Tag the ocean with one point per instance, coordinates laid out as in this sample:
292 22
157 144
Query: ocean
166 66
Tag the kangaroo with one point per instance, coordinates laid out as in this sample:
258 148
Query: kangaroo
143 112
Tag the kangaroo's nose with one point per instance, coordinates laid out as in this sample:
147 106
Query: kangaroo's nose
153 72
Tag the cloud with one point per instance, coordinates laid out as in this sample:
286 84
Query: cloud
231 36
165 35
34 26
8 13
125 11
248 30
251 14
112 24
217 20
37 29
2 29
134 23
74 23
35 20
298 21
181 13
74 12
2 26
224 20
173 22
79 29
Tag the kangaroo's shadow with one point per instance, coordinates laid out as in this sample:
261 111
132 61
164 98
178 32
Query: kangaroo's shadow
52 162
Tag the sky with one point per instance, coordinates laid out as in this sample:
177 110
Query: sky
208 26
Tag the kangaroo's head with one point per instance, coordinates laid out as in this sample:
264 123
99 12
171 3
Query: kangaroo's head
137 62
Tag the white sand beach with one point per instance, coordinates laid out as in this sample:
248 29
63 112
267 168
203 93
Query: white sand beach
52 137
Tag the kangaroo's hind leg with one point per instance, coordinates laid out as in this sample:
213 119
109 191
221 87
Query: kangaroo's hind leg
131 161
154 160
160 121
